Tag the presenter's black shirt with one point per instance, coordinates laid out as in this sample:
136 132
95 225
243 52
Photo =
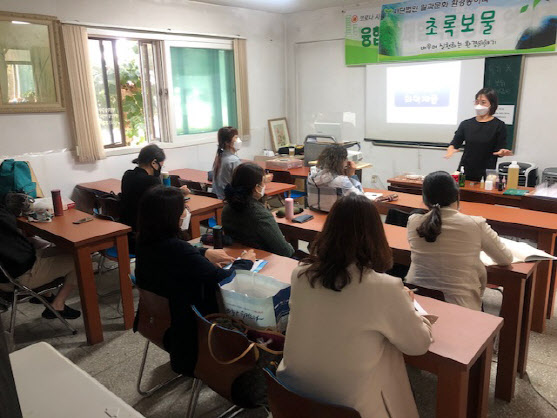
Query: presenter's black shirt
481 140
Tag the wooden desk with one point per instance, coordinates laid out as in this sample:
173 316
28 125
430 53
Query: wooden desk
460 355
82 240
518 281
540 227
201 207
470 193
200 176
190 174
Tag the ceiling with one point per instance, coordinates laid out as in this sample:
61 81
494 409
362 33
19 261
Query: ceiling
287 6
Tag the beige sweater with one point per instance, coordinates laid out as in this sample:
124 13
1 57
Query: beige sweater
346 347
452 263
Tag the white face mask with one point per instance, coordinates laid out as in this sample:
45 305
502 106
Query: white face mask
238 144
481 110
185 221
261 190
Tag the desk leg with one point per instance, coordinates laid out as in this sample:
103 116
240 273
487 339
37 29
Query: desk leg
125 282
218 215
478 385
88 295
511 311
526 324
551 299
452 393
543 280
195 227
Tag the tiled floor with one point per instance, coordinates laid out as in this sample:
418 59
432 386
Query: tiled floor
115 363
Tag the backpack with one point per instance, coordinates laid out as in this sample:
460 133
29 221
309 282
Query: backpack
15 176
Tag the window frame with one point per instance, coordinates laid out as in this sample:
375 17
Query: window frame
163 43
189 139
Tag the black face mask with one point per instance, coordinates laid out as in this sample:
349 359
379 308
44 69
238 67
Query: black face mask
157 172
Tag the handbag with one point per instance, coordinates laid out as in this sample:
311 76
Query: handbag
250 388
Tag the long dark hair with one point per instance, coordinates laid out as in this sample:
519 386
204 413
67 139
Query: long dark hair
439 190
224 137
352 234
245 178
159 214
149 153
332 159
491 95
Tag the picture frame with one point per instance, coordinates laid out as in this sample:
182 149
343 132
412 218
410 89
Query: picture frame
31 79
279 133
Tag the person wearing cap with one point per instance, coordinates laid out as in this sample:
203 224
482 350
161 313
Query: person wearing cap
137 181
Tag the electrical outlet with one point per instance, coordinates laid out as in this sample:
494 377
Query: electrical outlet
374 178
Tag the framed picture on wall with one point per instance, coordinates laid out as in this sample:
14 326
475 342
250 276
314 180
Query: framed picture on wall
280 137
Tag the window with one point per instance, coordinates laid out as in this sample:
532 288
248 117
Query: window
162 90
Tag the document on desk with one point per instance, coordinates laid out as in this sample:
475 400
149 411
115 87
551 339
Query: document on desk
432 318
521 251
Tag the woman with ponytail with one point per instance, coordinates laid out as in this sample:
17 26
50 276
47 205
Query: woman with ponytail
245 219
446 245
226 159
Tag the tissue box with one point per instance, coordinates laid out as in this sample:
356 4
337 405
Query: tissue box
283 163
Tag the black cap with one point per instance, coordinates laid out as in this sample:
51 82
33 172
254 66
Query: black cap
149 153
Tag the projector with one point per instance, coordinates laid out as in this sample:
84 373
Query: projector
355 156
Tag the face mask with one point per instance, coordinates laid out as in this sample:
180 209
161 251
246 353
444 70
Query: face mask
261 190
185 221
238 144
481 110
157 172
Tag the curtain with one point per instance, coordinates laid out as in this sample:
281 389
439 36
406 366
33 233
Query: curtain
83 104
242 99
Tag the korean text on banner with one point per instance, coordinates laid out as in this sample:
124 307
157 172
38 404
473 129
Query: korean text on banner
424 30
361 44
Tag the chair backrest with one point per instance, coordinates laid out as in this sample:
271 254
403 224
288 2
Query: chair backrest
285 403
397 217
280 176
108 206
424 291
153 316
539 203
223 355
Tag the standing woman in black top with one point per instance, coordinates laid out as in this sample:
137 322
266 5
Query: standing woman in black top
484 137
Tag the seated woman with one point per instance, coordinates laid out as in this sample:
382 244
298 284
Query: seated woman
136 182
226 159
173 268
446 245
349 324
335 177
245 219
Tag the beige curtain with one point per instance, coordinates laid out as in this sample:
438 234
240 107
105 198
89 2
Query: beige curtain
83 104
242 99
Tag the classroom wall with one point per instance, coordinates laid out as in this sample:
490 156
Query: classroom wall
45 138
537 125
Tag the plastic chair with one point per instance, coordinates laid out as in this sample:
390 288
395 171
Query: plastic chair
285 403
153 319
223 356
23 293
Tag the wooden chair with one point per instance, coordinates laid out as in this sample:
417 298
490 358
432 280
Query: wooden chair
223 355
23 293
285 403
153 319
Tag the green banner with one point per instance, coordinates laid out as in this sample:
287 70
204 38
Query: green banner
427 30
361 45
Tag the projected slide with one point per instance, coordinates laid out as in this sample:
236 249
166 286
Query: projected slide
423 94
421 102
